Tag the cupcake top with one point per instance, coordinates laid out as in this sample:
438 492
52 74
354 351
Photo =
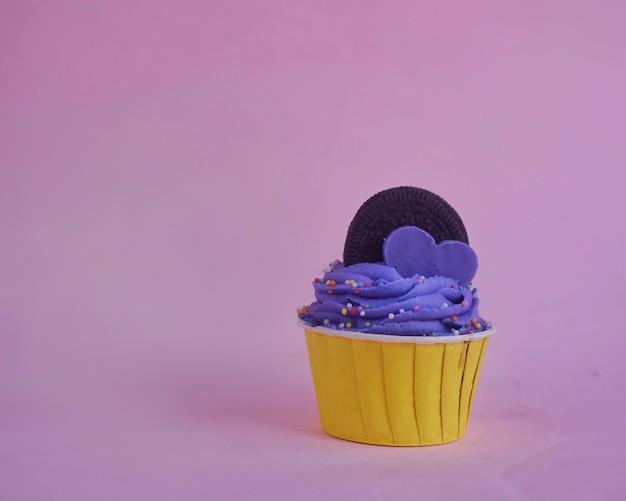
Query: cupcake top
407 270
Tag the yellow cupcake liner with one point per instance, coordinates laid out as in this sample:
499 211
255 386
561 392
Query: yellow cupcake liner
395 390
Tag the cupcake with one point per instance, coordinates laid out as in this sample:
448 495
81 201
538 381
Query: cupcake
394 336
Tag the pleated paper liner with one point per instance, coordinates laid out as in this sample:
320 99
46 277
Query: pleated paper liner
395 390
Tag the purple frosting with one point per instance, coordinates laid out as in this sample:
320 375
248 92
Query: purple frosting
407 295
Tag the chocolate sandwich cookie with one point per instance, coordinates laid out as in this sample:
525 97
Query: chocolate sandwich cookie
393 208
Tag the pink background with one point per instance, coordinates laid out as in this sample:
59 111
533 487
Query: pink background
173 175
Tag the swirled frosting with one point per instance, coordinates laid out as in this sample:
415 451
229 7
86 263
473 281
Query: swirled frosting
376 298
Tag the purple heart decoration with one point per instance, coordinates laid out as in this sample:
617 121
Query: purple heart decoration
412 251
